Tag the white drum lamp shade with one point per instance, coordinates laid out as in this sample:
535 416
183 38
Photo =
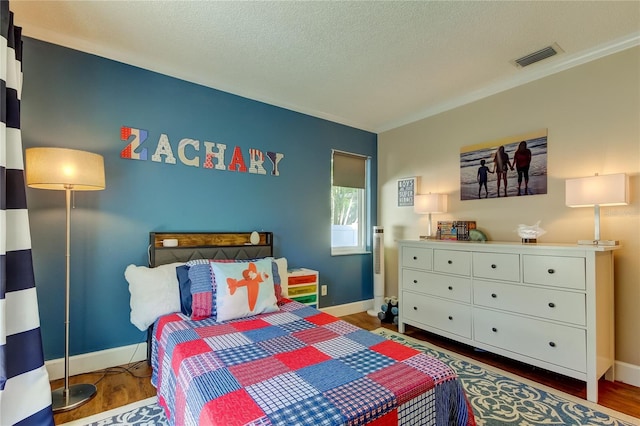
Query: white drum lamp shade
596 191
428 204
59 168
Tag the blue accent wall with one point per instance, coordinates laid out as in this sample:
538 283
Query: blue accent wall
76 100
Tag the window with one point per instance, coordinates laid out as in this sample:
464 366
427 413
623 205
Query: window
349 203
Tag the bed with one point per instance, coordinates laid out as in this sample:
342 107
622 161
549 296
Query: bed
281 362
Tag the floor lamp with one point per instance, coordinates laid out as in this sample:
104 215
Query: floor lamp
66 170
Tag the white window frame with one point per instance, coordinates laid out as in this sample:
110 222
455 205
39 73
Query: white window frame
363 216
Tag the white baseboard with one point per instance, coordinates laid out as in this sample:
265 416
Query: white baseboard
627 373
349 308
95 361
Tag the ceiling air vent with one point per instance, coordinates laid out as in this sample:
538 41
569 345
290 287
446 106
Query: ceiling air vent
538 56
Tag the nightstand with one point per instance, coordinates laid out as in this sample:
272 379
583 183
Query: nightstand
302 286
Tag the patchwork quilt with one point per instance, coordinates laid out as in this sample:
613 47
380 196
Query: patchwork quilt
297 366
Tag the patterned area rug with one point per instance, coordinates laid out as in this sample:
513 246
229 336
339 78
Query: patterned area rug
502 398
498 398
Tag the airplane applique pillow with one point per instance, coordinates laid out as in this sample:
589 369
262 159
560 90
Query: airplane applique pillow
243 289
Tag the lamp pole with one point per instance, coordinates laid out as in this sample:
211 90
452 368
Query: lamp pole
69 397
67 190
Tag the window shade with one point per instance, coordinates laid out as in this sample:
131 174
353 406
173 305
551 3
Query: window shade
349 170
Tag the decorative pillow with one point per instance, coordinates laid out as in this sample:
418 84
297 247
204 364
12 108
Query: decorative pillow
280 282
244 289
154 292
184 285
202 290
283 276
202 286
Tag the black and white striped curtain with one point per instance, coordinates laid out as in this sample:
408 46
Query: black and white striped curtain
25 394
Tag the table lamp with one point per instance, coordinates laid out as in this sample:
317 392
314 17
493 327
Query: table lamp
596 191
428 204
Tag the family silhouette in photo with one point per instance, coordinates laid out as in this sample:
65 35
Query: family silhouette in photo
517 168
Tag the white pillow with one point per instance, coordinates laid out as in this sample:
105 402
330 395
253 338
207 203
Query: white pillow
154 292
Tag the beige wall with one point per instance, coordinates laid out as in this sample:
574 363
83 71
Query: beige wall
592 113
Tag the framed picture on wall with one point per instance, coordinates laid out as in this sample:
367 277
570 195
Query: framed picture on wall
506 167
407 190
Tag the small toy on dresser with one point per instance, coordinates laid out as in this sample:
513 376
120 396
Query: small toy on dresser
389 310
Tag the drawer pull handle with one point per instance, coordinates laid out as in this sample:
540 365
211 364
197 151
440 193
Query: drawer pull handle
552 344
415 308
415 257
551 271
449 262
450 318
415 281
494 295
494 266
495 330
450 288
552 305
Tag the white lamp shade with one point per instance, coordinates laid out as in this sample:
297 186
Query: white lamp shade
605 190
61 168
430 203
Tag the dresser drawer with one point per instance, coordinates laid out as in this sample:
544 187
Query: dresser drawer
556 271
450 287
452 262
417 257
540 302
442 314
553 343
497 266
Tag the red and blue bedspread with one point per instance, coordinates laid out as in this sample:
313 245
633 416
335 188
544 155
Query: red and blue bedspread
298 366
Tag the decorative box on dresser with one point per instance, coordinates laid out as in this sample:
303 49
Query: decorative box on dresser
548 305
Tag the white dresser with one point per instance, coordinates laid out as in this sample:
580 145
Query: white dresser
548 305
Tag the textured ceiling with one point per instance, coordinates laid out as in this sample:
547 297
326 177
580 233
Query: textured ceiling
371 65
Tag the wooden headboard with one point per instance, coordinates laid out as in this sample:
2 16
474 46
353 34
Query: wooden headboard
207 245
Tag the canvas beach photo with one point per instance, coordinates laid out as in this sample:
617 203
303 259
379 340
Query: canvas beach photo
506 167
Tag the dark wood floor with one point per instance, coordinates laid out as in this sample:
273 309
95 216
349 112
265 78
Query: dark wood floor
130 383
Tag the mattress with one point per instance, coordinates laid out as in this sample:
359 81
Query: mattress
297 366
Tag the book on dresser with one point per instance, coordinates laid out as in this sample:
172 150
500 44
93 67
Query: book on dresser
548 305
